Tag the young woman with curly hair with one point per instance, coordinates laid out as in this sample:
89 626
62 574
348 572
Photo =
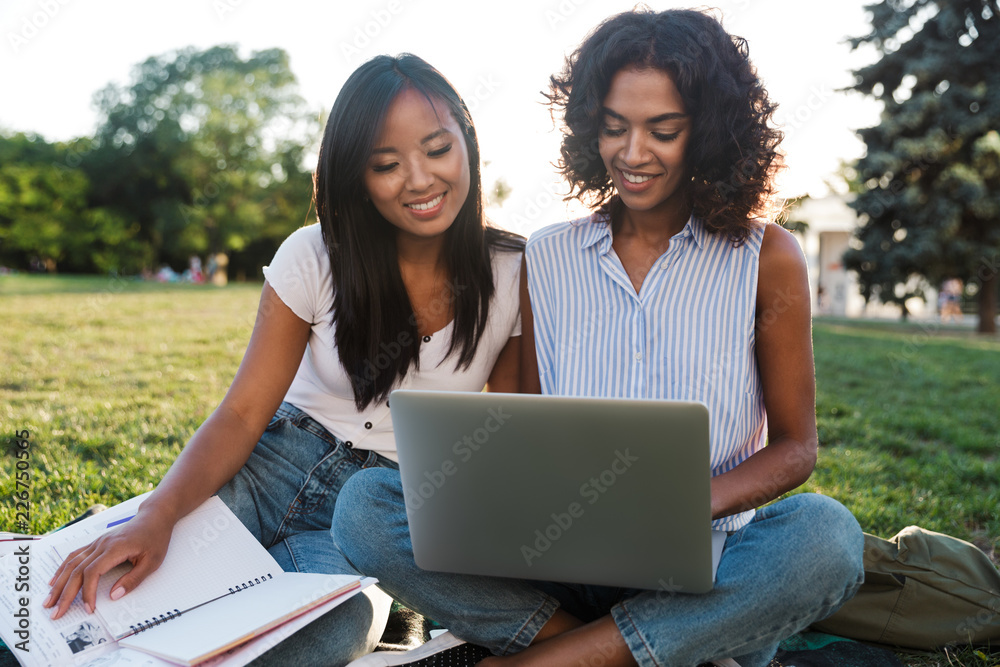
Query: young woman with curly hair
667 135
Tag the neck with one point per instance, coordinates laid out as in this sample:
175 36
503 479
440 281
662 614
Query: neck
421 254
655 225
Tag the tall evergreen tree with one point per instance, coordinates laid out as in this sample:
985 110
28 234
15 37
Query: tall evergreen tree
929 185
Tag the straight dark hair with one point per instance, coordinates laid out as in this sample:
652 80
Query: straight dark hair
374 323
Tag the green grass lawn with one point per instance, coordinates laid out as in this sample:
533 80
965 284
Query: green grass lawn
909 426
110 377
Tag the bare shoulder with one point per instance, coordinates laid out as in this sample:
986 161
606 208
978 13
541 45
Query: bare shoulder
783 275
780 254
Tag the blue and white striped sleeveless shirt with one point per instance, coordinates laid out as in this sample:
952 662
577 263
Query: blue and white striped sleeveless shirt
688 334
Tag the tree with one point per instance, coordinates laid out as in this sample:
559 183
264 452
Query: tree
44 213
197 146
928 188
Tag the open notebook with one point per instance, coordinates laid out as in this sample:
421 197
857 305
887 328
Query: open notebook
217 589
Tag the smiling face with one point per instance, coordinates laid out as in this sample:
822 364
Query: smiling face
643 140
418 174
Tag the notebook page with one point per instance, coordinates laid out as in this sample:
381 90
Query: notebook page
261 644
227 622
210 552
54 548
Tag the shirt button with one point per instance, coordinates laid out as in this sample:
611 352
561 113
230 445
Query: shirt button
638 356
349 444
368 424
427 339
664 265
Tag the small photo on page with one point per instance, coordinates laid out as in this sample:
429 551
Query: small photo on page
84 636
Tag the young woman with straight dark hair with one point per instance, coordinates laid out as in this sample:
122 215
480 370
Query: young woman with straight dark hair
401 284
667 136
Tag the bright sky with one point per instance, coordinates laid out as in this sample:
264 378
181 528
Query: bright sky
55 54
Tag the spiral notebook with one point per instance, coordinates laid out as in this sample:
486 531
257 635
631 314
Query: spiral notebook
218 598
211 629
211 555
216 588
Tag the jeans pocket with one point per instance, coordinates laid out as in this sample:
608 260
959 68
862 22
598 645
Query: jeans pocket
279 418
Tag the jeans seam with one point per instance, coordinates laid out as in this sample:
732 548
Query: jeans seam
772 632
310 425
291 554
813 614
375 460
635 631
306 423
292 511
515 641
287 411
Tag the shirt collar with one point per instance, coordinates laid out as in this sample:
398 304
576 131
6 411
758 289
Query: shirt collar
596 229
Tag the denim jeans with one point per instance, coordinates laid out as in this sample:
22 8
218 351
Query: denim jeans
795 563
285 495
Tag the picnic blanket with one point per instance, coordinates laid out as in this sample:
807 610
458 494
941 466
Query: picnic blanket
816 649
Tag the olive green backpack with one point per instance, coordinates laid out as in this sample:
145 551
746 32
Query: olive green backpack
922 590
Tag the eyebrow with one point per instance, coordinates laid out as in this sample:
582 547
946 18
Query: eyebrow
430 137
672 115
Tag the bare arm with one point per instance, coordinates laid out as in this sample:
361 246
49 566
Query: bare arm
212 457
505 374
530 382
785 360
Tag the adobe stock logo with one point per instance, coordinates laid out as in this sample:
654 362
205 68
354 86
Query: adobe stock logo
35 22
370 30
592 490
464 449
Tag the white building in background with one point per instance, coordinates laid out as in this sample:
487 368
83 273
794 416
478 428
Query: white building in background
831 223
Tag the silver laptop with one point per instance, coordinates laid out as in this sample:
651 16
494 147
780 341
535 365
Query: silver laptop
601 491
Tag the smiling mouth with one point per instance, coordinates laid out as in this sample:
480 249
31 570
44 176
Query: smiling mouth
635 179
426 206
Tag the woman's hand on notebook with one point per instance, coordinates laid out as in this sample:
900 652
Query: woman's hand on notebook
142 541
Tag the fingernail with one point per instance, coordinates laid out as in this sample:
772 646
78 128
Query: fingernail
89 607
48 600
117 593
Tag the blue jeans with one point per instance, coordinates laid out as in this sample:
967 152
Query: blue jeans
795 563
285 495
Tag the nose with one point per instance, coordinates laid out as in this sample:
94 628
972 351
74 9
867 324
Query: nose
635 152
420 177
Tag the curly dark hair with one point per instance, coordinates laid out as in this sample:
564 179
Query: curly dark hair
732 152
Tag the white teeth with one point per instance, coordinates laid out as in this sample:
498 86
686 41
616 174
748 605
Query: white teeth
429 205
631 178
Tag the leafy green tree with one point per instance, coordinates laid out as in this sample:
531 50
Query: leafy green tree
195 146
44 213
928 188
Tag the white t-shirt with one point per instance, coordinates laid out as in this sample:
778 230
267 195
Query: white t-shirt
300 275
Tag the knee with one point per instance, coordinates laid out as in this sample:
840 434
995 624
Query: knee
343 634
367 499
837 537
366 491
